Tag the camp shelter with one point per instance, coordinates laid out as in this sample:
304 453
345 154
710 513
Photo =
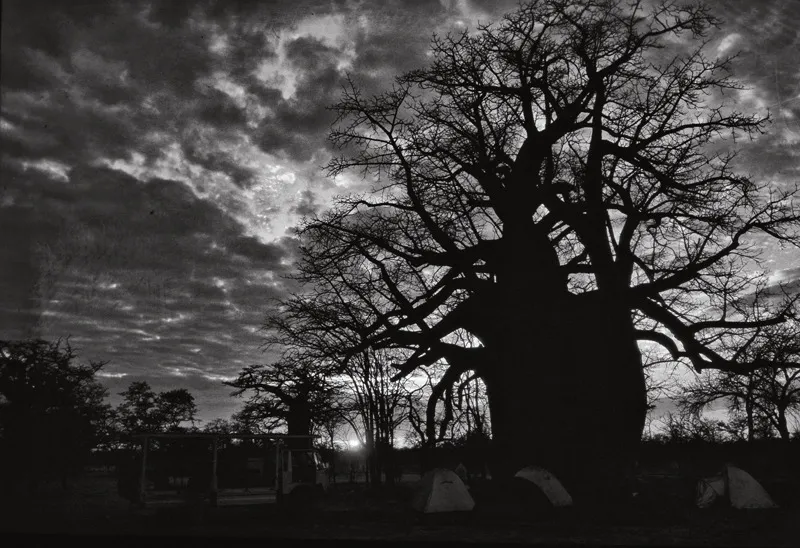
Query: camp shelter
548 483
735 486
441 490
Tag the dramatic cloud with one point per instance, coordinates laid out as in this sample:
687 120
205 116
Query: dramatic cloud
147 275
155 156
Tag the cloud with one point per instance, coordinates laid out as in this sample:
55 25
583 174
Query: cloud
155 153
146 275
780 285
765 39
308 205
728 42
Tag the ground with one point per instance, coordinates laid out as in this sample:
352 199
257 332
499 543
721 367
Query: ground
663 514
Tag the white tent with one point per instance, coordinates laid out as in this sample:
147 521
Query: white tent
441 490
735 486
548 483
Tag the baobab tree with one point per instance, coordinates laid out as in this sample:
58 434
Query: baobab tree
547 185
285 393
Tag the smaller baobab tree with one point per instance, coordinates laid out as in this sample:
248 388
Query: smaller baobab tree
287 393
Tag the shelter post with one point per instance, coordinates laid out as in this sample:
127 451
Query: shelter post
214 448
143 471
279 469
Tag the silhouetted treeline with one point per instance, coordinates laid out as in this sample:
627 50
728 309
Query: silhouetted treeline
699 457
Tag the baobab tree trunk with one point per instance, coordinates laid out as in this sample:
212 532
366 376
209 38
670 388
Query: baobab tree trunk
567 392
298 423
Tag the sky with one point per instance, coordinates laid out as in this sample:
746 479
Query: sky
155 156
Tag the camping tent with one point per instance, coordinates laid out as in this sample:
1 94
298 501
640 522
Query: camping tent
733 485
548 483
441 490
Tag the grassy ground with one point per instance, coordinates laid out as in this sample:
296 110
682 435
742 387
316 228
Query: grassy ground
661 515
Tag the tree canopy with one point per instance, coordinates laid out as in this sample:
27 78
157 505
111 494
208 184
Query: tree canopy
567 123
762 401
559 186
144 410
51 410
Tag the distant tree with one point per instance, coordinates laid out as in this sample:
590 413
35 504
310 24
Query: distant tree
376 404
682 427
763 401
317 327
221 426
454 415
52 411
143 410
136 412
287 393
175 407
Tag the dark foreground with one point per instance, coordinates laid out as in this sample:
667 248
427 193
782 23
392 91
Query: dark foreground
92 513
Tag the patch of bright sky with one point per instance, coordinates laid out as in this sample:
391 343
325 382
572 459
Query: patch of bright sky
353 444
179 318
727 43
218 378
749 99
52 168
111 375
464 15
6 126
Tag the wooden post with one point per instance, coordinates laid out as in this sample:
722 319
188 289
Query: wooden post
279 466
214 473
143 472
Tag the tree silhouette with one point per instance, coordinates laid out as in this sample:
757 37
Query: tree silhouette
145 411
554 186
286 393
762 400
319 326
51 411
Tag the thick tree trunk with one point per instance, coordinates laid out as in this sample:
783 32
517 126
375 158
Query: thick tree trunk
567 393
298 423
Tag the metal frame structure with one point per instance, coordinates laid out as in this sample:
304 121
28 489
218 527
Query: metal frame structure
145 443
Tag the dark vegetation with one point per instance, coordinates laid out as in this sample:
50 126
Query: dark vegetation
52 413
547 209
364 505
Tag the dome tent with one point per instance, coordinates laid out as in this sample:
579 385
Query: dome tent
441 490
734 486
548 483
